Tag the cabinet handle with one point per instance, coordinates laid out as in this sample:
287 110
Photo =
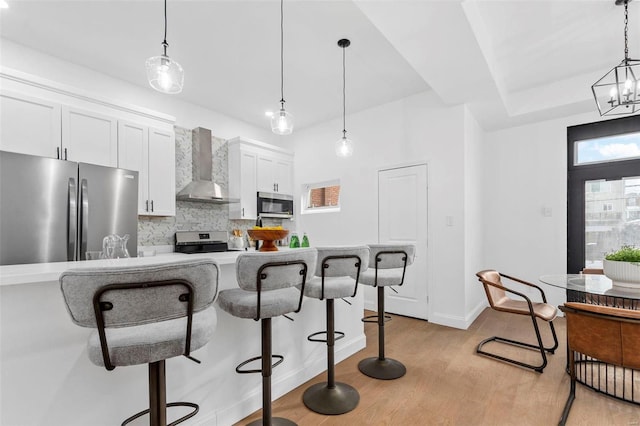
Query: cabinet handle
151 205
58 152
277 187
147 206
243 212
65 154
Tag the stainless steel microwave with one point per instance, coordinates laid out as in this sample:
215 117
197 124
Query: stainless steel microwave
275 205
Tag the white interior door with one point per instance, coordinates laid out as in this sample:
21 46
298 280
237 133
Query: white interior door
402 218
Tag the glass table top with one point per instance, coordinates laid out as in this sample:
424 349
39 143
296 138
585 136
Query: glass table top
588 283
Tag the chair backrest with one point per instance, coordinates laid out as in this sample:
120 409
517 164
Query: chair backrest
606 333
594 271
250 268
339 261
159 294
494 294
390 256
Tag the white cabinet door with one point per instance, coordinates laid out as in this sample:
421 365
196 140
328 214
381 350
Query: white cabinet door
133 139
29 125
283 175
266 174
162 172
89 137
242 182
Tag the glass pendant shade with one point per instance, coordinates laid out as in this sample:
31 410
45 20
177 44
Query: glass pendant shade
618 91
282 122
344 147
164 74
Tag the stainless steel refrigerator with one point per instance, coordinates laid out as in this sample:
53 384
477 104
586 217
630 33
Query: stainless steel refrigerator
53 210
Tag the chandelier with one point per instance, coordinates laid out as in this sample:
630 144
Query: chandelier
164 74
618 91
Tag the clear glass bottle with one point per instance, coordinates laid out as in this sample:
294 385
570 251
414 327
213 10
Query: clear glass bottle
305 240
294 243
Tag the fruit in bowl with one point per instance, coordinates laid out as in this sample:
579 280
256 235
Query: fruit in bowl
268 235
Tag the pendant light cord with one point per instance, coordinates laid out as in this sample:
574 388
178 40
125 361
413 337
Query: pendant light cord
344 96
164 42
626 25
282 53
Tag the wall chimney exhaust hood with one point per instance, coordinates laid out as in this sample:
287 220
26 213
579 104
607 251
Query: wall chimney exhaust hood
202 189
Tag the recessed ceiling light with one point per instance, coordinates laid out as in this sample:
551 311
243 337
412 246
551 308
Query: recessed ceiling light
4 4
267 113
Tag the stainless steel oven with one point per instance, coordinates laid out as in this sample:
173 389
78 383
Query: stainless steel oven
275 205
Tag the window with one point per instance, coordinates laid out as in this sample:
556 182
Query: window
321 197
603 190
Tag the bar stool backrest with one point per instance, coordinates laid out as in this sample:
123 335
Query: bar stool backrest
288 275
341 267
391 260
146 304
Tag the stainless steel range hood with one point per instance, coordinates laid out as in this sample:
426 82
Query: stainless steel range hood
202 189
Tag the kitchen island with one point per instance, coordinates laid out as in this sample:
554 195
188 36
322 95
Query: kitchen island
47 378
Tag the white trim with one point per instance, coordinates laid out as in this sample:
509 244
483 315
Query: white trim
41 83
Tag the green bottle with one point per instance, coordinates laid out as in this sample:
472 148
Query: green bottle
294 243
305 240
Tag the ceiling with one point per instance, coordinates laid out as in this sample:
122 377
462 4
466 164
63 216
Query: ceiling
510 61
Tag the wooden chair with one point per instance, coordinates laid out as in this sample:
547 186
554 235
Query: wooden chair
594 271
605 333
498 299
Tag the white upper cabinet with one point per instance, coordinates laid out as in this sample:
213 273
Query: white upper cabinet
29 125
256 167
275 173
150 152
89 137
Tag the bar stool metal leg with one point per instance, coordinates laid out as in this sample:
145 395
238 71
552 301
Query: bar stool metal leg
267 419
331 397
381 367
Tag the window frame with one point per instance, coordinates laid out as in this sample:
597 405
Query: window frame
577 175
306 190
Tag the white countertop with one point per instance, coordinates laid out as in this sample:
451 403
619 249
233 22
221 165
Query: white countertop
45 272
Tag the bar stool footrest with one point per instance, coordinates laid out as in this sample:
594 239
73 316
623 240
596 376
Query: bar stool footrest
239 369
195 410
337 336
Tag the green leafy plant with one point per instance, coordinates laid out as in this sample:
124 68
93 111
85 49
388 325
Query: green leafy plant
625 254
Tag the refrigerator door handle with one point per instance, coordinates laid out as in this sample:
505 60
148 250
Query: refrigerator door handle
84 219
72 218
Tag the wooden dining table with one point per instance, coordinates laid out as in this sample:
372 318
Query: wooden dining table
618 382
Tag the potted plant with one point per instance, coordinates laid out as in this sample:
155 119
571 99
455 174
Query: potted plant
623 267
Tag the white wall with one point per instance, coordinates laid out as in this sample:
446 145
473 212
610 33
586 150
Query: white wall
526 171
475 197
414 129
188 115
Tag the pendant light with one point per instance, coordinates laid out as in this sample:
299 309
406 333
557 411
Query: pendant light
282 121
618 91
164 74
344 146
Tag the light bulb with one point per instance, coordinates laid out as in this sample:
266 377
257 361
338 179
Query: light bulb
282 123
627 86
613 92
344 147
164 74
164 78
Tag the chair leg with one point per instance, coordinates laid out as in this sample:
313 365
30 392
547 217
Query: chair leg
381 367
539 347
572 391
158 399
331 397
267 419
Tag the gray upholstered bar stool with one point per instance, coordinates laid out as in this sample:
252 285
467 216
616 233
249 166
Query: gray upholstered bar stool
387 266
337 273
267 282
145 315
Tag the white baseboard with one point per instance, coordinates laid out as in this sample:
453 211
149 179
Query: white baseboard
458 321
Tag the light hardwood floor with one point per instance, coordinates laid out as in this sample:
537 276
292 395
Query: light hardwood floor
447 383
